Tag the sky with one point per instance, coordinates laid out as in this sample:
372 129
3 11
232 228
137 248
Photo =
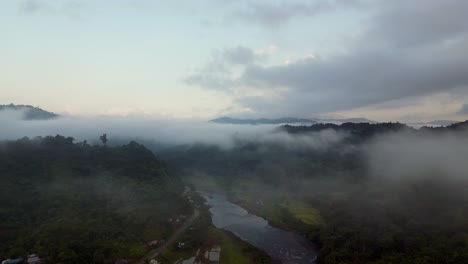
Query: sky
383 60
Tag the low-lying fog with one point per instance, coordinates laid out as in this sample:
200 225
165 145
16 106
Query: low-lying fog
391 155
168 131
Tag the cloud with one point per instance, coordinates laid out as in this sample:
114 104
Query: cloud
421 22
276 14
239 56
409 49
217 73
463 110
321 140
365 77
169 131
70 8
164 131
272 49
415 156
33 6
273 14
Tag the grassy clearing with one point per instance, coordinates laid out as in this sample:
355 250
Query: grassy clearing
275 215
243 194
281 214
279 208
251 192
231 249
303 212
201 181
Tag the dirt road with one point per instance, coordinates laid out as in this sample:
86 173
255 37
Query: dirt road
171 239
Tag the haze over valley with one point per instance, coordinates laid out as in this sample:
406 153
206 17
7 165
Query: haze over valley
234 132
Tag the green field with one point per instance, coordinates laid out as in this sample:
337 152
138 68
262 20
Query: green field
303 212
278 208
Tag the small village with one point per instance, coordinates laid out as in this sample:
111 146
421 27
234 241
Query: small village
181 241
210 253
211 256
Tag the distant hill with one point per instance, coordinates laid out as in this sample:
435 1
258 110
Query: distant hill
286 120
345 120
261 121
442 122
364 130
30 112
433 123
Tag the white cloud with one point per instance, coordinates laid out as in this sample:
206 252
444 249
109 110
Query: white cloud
268 51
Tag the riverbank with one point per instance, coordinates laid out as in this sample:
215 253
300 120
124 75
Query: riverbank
285 246
280 210
202 236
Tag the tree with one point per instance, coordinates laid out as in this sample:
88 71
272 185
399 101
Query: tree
103 138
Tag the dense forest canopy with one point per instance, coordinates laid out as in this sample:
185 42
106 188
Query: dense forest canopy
79 203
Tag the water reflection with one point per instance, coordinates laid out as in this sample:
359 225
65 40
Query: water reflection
288 247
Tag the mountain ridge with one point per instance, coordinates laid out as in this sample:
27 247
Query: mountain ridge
285 120
30 112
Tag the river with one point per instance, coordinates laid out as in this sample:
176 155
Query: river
287 247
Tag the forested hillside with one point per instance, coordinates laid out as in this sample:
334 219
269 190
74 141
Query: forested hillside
364 193
29 112
79 203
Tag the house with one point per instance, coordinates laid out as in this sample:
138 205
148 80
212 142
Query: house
213 255
153 243
33 259
122 261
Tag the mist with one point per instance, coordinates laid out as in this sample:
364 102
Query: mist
391 156
407 155
306 164
157 130
302 164
373 184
